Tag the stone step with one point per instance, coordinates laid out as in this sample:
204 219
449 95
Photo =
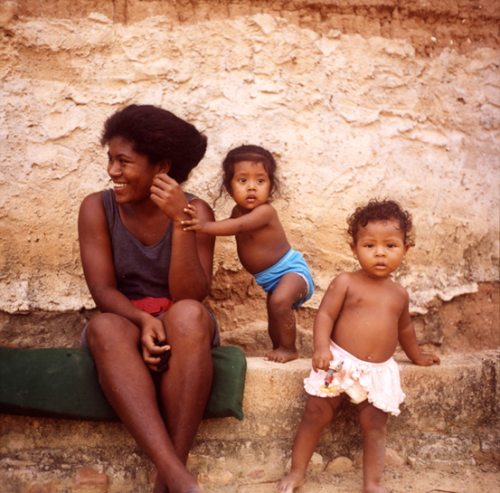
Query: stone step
449 419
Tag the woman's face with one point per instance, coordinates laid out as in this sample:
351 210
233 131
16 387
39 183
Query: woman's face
131 172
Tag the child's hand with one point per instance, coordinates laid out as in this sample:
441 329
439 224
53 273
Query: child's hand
193 224
321 359
427 359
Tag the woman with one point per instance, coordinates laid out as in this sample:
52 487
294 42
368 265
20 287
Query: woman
133 247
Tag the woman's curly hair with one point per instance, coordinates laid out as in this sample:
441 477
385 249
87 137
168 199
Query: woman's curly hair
160 135
381 210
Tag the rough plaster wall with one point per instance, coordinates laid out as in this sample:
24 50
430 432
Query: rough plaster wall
349 117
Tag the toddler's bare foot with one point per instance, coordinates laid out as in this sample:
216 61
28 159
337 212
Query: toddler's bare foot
282 355
290 482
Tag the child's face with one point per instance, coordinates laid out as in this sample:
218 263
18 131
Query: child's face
250 185
380 248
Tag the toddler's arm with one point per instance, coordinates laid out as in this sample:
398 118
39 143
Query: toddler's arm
328 311
259 217
408 339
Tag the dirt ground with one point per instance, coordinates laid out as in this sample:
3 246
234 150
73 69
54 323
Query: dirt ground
396 480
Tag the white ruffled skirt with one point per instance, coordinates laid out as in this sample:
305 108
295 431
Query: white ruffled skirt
378 382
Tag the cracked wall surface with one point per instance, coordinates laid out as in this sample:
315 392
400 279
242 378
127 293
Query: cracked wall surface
355 99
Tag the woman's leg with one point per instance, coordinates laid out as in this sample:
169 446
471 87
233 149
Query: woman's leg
185 387
281 319
128 385
373 422
318 413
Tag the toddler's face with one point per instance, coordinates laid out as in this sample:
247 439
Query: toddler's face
250 185
380 248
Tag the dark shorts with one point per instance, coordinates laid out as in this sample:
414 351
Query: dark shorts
215 340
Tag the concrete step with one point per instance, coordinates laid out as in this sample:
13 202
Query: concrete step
449 419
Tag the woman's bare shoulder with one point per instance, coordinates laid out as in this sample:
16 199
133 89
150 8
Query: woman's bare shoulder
92 210
91 201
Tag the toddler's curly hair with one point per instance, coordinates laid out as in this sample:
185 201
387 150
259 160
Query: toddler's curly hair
381 210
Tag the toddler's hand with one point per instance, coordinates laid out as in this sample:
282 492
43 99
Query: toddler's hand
427 360
321 359
193 224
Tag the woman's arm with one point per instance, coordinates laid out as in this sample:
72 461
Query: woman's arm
191 260
259 217
97 262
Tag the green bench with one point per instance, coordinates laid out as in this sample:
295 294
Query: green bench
63 383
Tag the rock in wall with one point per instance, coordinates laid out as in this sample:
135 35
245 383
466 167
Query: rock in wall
356 100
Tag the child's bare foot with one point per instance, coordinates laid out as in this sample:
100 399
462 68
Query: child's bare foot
290 482
282 355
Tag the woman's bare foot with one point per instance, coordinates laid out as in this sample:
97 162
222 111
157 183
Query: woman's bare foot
290 482
159 487
190 486
282 355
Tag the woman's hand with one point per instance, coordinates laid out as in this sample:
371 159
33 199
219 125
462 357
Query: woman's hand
167 194
152 330
321 359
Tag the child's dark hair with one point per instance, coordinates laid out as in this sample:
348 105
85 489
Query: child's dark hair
160 135
381 210
254 154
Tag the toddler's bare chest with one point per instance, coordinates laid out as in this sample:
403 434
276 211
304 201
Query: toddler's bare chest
373 305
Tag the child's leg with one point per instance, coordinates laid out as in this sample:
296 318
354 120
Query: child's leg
373 423
317 414
281 319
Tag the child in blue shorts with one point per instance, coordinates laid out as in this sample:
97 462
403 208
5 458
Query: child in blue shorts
263 249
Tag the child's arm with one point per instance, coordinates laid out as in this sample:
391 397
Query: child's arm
259 217
408 339
328 312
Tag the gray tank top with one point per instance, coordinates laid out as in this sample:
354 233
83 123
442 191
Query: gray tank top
140 270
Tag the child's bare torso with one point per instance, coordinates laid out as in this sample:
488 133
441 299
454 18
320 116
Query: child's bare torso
261 248
367 326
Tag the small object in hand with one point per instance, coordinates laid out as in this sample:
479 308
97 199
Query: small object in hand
331 382
164 357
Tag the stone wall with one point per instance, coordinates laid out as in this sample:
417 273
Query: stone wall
356 99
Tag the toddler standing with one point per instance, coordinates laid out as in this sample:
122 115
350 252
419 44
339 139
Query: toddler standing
361 318
249 176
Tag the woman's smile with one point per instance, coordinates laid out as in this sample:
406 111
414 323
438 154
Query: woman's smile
130 171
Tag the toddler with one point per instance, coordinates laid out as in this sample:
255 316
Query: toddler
361 318
263 249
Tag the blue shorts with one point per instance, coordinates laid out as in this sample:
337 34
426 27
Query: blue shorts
291 262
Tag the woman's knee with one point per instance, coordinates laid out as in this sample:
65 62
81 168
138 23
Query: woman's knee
188 319
107 330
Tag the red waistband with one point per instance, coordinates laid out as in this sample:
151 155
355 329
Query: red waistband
153 306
